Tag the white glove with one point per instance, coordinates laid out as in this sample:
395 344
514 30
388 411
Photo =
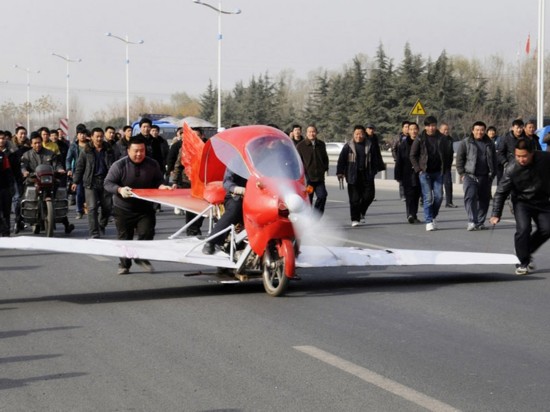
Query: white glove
239 190
126 192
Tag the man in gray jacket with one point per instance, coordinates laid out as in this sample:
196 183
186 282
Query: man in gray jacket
476 163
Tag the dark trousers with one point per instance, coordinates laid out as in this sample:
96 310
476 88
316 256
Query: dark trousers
527 243
448 186
412 197
16 202
477 196
195 228
232 215
320 192
128 223
80 198
98 198
5 210
361 194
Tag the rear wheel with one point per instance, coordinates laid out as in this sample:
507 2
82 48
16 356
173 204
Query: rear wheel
273 272
49 218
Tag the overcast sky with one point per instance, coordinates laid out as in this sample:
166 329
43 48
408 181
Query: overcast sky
180 49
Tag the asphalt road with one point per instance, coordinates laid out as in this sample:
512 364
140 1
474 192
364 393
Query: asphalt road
74 336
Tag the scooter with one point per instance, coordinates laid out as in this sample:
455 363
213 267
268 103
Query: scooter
44 204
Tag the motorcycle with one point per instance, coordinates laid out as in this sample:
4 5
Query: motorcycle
44 204
275 195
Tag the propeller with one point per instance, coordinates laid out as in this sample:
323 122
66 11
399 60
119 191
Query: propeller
306 220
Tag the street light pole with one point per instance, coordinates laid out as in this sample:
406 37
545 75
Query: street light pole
127 42
220 11
28 71
67 60
540 67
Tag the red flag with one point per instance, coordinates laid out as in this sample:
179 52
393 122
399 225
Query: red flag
528 44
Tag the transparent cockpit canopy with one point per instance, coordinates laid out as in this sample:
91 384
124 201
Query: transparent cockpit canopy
230 156
272 156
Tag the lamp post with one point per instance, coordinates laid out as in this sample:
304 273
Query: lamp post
127 42
540 67
28 71
68 61
220 11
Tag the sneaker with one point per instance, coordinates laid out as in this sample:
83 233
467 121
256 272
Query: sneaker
123 271
69 228
362 220
531 265
451 205
435 224
208 248
411 219
481 226
145 264
430 227
78 215
522 270
354 223
471 227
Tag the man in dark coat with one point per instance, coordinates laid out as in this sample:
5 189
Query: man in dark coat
315 159
526 179
91 169
359 162
131 214
406 175
431 157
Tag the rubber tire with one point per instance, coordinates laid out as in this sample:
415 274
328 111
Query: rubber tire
274 280
49 219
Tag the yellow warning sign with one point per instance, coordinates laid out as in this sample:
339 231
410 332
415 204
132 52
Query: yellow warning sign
418 109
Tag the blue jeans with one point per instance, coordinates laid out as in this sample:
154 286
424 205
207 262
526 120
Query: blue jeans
432 194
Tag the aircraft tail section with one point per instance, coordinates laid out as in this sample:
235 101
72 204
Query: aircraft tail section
192 149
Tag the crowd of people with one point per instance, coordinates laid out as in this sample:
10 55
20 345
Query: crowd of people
423 160
100 168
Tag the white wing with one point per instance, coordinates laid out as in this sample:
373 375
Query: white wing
316 256
189 250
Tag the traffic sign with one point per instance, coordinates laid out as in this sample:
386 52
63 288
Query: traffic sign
418 109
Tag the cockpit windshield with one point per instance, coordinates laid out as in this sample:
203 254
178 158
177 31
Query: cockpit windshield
275 157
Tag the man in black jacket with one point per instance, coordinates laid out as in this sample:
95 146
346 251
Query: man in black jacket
431 157
359 161
7 182
91 168
135 171
526 179
315 159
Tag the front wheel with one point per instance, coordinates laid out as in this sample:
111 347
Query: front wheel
49 219
273 273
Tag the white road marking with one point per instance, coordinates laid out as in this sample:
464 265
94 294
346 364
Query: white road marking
380 381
